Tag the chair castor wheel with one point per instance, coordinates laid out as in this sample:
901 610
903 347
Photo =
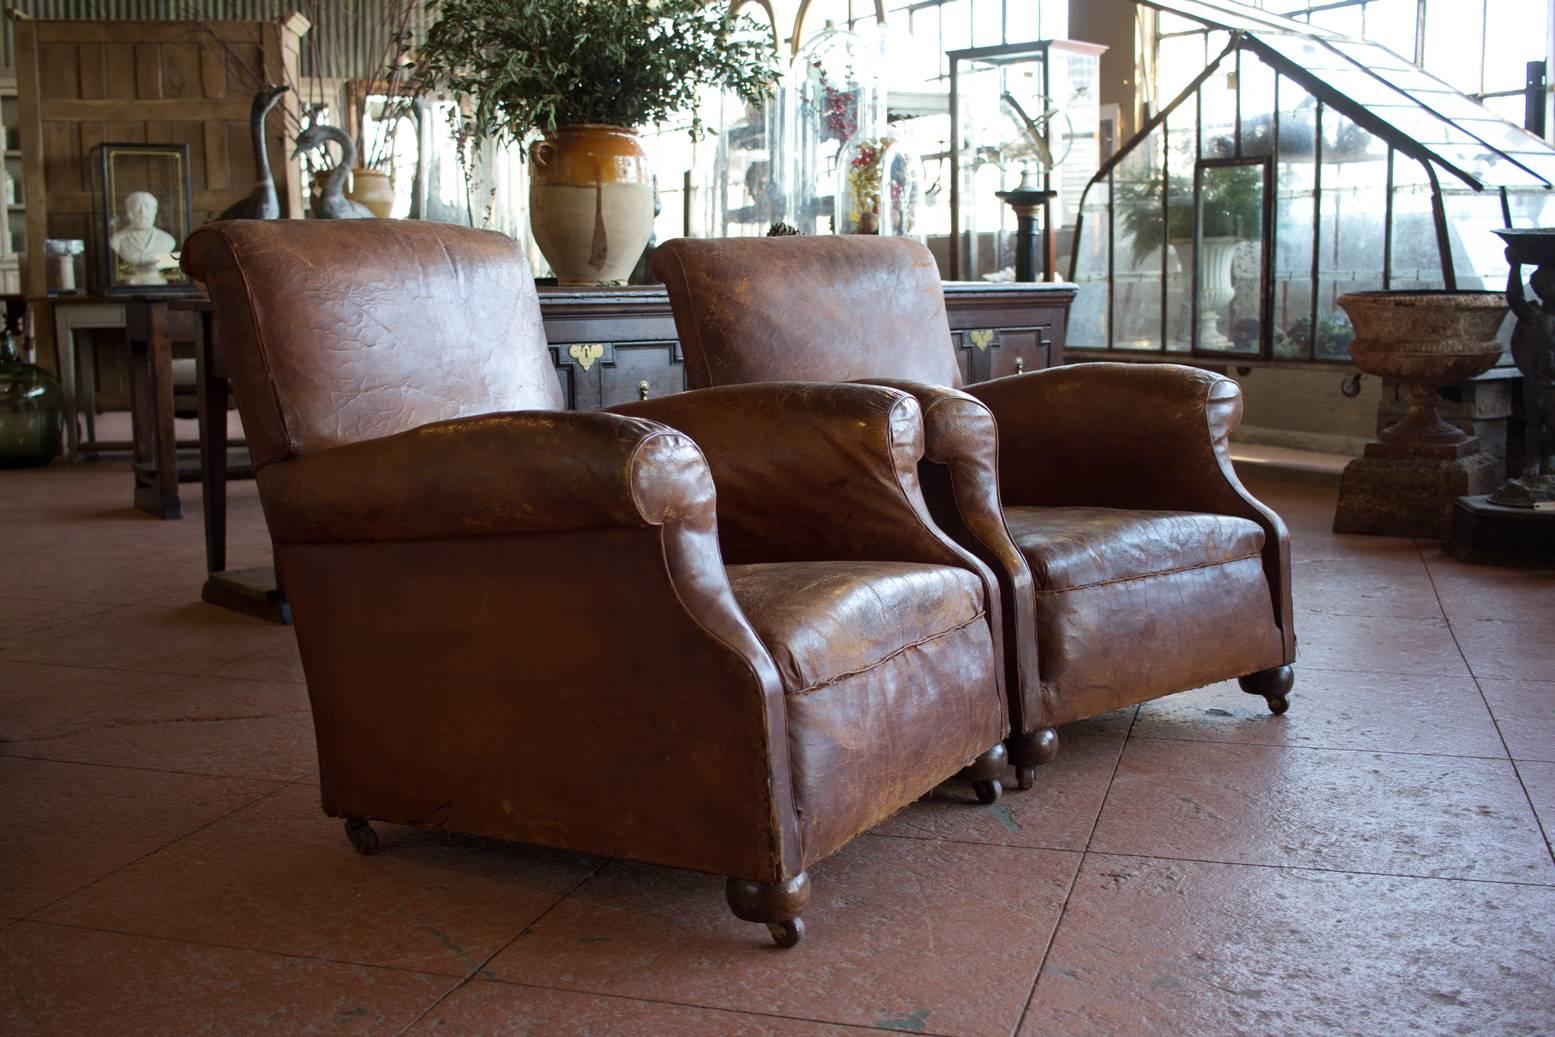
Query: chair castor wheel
363 838
1025 777
787 934
1278 704
988 792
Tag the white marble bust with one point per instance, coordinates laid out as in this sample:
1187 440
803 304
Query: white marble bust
142 246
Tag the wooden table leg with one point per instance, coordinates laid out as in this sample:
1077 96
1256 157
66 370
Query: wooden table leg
151 391
251 591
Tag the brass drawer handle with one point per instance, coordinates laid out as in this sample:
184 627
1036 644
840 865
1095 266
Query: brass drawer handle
1020 365
642 389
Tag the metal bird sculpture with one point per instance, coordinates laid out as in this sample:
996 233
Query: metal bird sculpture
261 203
332 202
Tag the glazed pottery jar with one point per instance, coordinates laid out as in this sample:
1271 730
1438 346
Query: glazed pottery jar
590 202
374 189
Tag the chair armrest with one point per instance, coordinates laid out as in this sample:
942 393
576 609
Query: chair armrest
811 471
1147 436
518 472
960 477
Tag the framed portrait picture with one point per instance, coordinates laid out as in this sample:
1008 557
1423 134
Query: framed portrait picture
143 198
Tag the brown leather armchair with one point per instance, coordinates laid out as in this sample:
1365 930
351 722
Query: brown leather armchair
544 626
1132 562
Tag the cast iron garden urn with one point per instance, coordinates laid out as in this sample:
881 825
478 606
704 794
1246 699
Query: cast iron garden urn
1410 475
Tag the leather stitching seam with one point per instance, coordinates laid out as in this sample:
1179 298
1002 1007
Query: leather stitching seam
1147 576
838 678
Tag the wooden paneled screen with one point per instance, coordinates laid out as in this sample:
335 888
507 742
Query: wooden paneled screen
81 83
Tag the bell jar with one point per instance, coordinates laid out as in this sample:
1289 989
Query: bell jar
834 96
748 191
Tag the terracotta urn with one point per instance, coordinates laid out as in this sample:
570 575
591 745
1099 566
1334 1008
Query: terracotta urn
374 189
590 202
1423 340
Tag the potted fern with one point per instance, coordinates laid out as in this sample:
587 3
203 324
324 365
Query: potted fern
585 75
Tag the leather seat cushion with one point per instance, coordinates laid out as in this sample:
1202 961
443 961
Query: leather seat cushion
823 621
1073 548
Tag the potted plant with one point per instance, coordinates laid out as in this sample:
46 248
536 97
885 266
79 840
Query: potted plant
584 75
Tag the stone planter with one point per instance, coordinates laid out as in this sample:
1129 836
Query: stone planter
1407 481
590 202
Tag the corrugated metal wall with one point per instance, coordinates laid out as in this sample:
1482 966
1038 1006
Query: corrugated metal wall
348 37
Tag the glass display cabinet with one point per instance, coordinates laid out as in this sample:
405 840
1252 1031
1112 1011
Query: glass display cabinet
1019 108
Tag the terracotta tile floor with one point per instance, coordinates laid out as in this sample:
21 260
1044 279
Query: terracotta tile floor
1375 862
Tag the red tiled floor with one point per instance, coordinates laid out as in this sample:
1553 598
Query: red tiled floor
1515 651
65 981
28 616
1377 644
504 1010
192 639
38 701
1336 709
1175 948
201 725
903 933
1323 808
281 877
1539 779
1057 813
938 926
1476 592
1398 587
1525 713
67 824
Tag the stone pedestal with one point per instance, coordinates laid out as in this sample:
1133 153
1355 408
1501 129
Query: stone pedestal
1482 407
1409 492
1492 535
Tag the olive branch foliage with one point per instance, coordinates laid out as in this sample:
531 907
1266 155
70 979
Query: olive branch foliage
525 65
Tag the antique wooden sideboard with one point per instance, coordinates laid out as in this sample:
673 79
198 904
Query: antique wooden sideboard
610 346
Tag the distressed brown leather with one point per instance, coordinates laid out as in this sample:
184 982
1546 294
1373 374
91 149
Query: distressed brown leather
519 622
348 352
843 298
1111 599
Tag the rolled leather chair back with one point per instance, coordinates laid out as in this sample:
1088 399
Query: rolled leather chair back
833 308
337 331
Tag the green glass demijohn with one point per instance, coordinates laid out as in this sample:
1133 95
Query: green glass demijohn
31 410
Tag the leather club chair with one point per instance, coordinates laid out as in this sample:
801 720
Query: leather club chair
1132 561
526 623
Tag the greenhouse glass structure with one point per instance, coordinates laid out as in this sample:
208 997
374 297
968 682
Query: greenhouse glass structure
1299 165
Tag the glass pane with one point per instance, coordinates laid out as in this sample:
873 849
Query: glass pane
1295 174
1182 135
987 23
1217 100
1478 256
1229 258
1256 87
1454 41
1417 259
1140 233
1391 23
1516 32
1088 315
1352 230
